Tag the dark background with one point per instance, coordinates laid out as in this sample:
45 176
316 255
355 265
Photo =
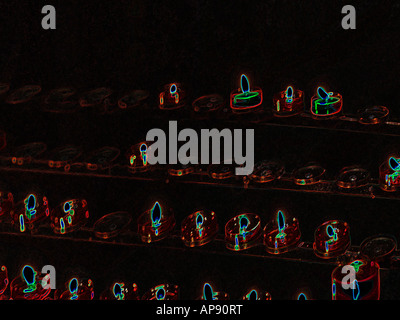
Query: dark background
206 45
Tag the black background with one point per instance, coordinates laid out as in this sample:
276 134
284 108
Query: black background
206 45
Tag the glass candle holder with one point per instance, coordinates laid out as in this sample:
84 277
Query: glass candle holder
162 292
112 224
389 174
373 115
121 291
244 99
98 98
331 239
156 223
28 285
23 94
267 171
288 102
353 178
199 228
133 100
221 171
326 105
69 216
27 153
61 100
63 157
210 294
379 248
178 170
30 212
77 289
308 175
102 159
364 286
281 234
243 231
172 97
208 104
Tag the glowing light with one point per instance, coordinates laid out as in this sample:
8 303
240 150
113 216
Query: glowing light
30 205
199 223
118 291
289 94
173 90
156 214
356 290
332 233
356 265
143 153
252 295
21 223
326 100
29 276
208 293
160 292
245 88
281 225
73 287
62 225
302 296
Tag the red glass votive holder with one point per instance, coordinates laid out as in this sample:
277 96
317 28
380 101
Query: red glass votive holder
331 239
162 292
379 248
221 171
326 105
156 223
288 103
77 289
121 291
30 212
199 228
364 286
28 285
69 216
308 175
243 231
172 97
281 234
178 170
257 295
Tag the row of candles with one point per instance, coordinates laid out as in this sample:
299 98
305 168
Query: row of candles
289 102
242 232
136 161
281 234
34 285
